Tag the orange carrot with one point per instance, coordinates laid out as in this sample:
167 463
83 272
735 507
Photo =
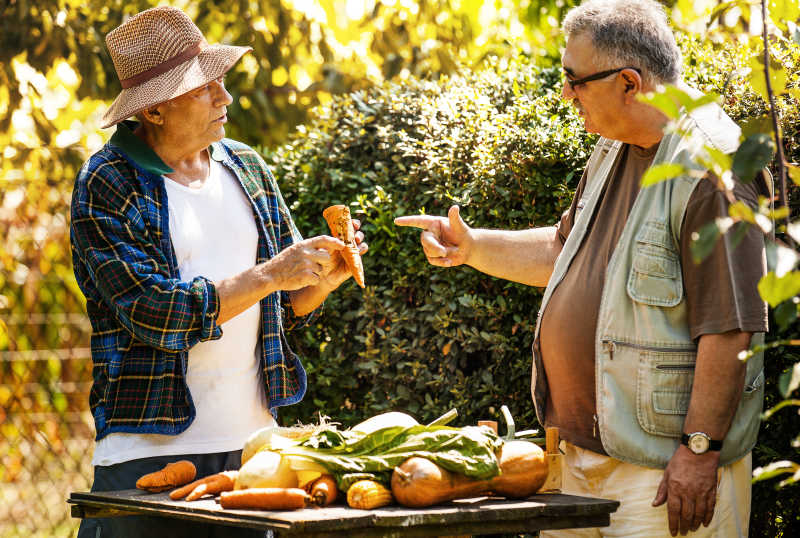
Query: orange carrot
265 499
323 490
172 475
210 485
341 225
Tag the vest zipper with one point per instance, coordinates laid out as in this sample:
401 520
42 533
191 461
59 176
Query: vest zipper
611 345
594 427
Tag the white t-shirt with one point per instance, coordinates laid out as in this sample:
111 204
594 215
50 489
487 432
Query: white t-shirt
214 235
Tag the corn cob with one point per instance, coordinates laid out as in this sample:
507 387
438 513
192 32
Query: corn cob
368 494
341 225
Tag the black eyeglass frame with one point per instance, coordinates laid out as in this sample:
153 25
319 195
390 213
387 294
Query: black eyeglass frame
596 76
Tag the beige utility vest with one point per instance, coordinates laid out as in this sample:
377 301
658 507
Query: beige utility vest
644 353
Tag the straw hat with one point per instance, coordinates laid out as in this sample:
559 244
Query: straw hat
160 54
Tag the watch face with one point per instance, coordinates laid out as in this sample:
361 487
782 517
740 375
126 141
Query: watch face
698 443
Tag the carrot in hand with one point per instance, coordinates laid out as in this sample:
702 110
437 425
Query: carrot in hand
341 225
210 485
323 490
265 499
172 475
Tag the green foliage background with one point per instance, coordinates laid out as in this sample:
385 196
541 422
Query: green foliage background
407 107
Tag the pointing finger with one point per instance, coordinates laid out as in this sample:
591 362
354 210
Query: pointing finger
417 221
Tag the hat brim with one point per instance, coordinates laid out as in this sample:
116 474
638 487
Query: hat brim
212 62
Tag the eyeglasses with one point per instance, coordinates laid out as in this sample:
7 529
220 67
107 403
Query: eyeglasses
597 76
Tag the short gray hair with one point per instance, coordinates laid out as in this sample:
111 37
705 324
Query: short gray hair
631 33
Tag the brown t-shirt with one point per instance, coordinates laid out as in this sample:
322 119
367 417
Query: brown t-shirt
721 292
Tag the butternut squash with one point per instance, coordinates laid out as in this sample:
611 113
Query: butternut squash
418 482
523 470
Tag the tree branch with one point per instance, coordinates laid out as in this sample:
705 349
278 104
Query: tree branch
773 112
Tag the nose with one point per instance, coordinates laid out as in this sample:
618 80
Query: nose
221 96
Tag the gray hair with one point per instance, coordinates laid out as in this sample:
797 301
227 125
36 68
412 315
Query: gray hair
631 33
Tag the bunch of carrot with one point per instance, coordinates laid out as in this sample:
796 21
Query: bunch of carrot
179 475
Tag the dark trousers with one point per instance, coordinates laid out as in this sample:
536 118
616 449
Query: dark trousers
124 476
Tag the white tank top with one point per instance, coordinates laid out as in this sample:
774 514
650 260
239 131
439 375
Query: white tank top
214 235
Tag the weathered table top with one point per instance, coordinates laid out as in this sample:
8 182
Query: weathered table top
482 515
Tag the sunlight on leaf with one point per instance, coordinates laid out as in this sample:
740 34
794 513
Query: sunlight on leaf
774 469
794 173
662 172
777 75
789 380
775 289
674 102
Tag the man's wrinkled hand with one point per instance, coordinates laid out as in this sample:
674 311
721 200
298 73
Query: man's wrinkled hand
445 240
303 263
689 487
335 270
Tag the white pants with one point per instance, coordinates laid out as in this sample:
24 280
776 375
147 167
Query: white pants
589 474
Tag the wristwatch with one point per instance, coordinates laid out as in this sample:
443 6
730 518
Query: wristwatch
700 443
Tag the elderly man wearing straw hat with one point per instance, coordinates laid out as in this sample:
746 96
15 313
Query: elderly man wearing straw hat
192 268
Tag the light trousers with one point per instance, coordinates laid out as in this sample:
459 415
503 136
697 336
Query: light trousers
590 474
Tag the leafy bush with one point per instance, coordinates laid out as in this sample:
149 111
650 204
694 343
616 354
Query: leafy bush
501 144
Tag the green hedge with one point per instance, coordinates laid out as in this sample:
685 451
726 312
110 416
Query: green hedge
421 339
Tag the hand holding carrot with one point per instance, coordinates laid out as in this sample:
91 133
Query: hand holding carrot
346 229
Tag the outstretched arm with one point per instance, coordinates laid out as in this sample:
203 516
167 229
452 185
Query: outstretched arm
524 256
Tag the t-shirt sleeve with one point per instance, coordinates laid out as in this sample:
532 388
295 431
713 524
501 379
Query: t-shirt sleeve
722 290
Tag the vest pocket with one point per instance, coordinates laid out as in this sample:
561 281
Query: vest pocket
655 275
663 389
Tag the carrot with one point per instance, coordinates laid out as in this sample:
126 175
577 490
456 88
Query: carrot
265 498
341 225
210 485
172 475
323 490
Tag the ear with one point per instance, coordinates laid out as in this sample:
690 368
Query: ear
632 83
153 115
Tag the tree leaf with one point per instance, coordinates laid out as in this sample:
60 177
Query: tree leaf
777 77
789 380
775 289
794 173
662 172
754 154
785 314
759 124
703 241
772 470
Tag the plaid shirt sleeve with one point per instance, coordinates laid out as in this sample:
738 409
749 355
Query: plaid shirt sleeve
287 236
126 263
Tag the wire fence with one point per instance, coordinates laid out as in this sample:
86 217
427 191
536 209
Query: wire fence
46 428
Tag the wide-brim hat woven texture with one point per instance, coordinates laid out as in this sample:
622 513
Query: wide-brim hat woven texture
160 54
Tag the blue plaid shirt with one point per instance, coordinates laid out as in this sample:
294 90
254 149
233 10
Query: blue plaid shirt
144 317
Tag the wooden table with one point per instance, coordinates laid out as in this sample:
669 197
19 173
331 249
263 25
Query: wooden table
482 515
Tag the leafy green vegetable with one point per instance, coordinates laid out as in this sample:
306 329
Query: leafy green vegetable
352 455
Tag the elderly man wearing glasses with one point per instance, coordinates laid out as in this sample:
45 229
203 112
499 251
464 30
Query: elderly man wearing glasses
193 271
635 351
